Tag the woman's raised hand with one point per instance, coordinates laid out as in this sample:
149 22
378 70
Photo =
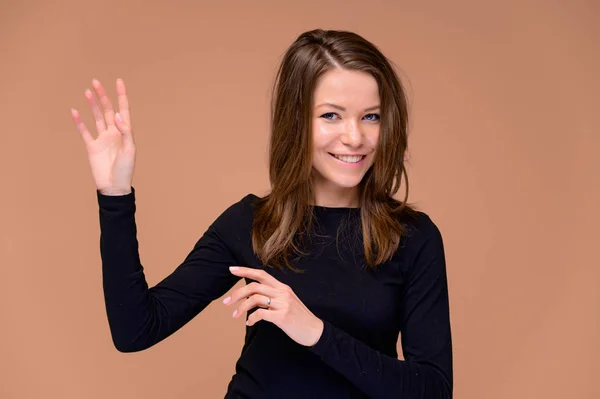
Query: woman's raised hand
112 153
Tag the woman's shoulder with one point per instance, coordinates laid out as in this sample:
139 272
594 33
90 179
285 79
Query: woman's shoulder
419 225
236 213
420 241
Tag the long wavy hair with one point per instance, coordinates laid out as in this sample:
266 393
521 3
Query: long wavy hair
286 214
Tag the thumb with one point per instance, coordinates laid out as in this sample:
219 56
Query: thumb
123 127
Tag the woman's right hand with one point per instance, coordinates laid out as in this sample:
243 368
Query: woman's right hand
112 153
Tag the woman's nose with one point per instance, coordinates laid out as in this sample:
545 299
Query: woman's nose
352 134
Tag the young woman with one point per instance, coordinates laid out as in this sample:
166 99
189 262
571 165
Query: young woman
336 268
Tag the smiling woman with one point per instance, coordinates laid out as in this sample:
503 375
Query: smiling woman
336 267
345 133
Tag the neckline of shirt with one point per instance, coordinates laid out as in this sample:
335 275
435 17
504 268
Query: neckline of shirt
331 209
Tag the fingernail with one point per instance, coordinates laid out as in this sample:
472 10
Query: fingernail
234 312
118 116
233 268
226 300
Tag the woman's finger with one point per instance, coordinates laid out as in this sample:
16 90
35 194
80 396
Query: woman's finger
252 302
249 290
96 112
85 134
258 275
109 112
123 128
261 314
123 102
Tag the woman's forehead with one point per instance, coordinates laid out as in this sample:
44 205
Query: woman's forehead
347 88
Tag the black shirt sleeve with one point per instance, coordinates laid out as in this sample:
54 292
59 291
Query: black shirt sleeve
426 372
139 316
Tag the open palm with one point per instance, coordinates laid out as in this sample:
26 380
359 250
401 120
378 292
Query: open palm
112 153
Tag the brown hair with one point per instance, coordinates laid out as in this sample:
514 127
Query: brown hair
286 212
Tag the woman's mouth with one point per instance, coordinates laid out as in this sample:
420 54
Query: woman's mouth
349 159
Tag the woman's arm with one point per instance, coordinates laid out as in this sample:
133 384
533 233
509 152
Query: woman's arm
426 337
140 317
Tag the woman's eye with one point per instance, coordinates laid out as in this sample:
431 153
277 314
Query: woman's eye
328 115
333 115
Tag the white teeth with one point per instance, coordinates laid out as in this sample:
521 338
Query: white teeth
349 159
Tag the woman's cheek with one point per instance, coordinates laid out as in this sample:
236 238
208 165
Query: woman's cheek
326 131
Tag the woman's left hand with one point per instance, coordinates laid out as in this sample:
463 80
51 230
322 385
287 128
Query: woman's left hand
285 310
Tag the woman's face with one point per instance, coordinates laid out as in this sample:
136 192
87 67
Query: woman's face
345 122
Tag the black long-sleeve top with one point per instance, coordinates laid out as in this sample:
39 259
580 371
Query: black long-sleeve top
363 310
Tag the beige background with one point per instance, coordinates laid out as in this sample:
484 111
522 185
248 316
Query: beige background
505 146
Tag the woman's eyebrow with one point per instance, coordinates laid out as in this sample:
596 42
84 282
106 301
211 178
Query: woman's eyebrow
343 109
